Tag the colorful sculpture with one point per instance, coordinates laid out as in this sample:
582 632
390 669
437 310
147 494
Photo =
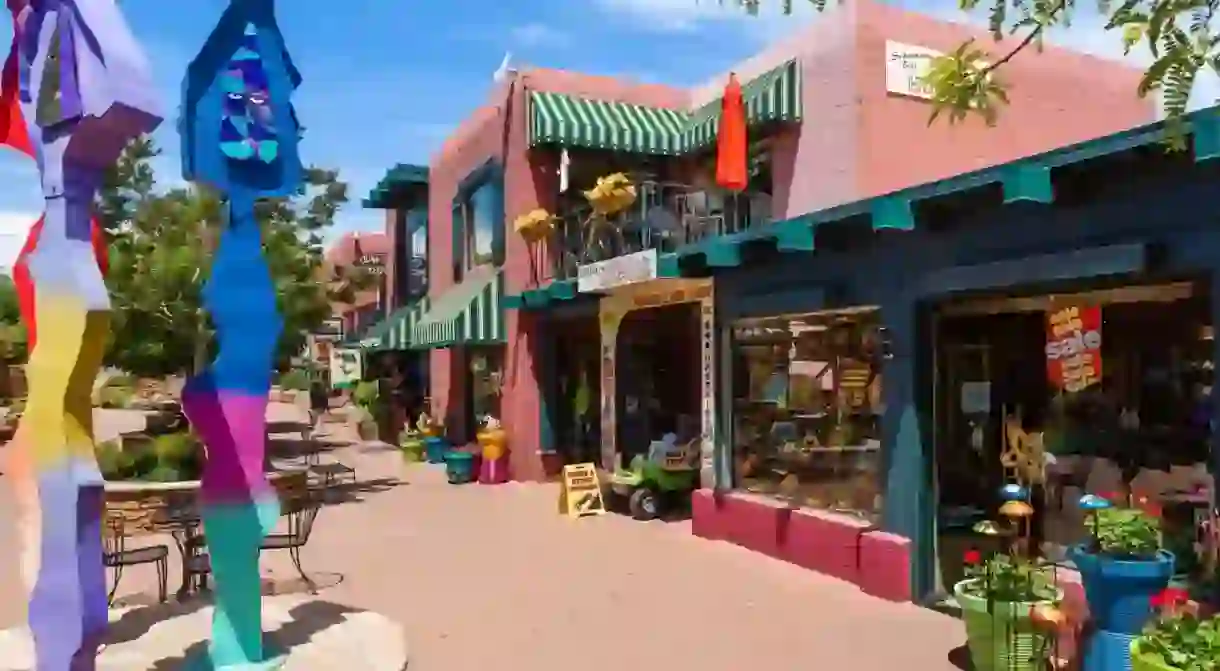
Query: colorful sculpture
83 91
239 136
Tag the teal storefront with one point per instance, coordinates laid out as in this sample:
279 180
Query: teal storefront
879 358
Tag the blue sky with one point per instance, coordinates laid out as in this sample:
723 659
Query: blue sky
386 80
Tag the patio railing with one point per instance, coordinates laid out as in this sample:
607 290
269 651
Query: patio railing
664 217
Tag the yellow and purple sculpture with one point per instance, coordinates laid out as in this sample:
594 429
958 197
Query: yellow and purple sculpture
239 136
84 92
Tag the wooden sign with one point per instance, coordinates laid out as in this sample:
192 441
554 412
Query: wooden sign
581 492
1073 347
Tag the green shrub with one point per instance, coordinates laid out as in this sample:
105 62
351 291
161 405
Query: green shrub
121 380
181 452
295 379
113 462
115 397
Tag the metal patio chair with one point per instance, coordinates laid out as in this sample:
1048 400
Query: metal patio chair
116 556
301 508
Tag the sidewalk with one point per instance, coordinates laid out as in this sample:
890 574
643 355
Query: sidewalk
492 577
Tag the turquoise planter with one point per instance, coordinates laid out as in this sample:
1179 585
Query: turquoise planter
1119 593
459 467
435 448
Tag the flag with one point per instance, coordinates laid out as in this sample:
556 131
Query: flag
731 170
502 71
564 162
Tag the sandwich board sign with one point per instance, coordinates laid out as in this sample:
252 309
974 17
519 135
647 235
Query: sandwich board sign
581 491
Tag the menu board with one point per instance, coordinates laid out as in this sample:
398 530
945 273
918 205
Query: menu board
1073 347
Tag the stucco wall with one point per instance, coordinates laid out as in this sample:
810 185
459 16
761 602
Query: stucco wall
857 141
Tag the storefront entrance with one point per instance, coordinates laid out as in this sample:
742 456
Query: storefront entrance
1102 391
577 364
658 387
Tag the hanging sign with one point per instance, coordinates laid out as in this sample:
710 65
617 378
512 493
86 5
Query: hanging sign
1073 347
581 493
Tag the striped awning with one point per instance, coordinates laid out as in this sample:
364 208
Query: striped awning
394 332
772 96
568 121
470 313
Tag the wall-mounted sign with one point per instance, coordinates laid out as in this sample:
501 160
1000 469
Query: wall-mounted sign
906 65
1073 347
346 367
372 264
618 271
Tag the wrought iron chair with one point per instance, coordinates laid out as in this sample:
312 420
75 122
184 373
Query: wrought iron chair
118 526
301 506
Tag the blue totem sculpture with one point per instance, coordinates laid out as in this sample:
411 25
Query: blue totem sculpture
239 136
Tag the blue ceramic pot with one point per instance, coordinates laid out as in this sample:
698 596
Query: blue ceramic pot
435 448
1119 590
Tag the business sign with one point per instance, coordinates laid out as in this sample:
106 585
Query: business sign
618 271
346 367
1073 347
906 66
580 492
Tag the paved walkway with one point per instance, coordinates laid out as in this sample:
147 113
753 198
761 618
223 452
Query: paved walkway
492 577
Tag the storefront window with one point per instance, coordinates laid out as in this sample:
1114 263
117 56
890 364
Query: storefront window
486 383
807 409
480 220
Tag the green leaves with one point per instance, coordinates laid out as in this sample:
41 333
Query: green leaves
1127 532
161 248
1184 642
1006 578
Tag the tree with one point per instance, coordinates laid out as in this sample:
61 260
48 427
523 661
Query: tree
161 245
1180 35
12 331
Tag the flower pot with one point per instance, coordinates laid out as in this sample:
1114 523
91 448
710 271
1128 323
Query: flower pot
413 450
493 442
435 448
1119 591
1001 636
1142 662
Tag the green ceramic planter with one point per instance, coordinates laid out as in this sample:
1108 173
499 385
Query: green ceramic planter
1141 662
1000 635
412 450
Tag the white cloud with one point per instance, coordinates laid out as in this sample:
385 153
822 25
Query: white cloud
534 35
676 16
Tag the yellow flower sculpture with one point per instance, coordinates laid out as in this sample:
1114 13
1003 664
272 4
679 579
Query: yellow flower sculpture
534 225
612 194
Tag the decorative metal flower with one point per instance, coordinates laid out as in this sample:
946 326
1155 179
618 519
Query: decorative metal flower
1016 509
988 528
1014 492
1092 502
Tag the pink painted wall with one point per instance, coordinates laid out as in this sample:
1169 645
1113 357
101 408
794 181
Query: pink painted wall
857 141
530 182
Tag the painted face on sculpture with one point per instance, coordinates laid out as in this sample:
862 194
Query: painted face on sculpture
247 123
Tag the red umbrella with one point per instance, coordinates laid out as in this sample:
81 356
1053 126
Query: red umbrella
731 172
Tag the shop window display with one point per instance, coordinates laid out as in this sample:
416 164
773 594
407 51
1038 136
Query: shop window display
486 384
1118 403
807 409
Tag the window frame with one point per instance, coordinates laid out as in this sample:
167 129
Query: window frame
489 175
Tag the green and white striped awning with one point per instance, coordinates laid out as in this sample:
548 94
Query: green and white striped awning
772 96
568 121
394 332
470 313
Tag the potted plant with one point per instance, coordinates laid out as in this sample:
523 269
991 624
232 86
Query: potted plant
535 225
412 444
1122 566
1178 640
1003 597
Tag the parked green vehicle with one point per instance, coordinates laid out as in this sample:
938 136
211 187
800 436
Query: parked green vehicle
652 485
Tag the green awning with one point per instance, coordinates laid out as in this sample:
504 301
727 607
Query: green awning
568 121
470 313
772 96
393 332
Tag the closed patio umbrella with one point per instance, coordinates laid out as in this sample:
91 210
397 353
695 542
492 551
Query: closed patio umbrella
731 172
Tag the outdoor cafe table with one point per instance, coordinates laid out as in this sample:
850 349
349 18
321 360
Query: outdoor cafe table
176 505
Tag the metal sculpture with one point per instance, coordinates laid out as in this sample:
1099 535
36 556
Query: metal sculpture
239 136
83 91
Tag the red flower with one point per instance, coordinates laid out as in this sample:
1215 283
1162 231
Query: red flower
1170 597
972 557
1112 497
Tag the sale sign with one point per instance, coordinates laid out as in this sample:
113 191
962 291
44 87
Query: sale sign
1073 347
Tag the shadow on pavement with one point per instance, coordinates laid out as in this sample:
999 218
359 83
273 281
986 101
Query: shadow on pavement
306 619
960 657
351 492
136 622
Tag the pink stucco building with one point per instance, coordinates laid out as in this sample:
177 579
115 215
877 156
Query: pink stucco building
846 137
